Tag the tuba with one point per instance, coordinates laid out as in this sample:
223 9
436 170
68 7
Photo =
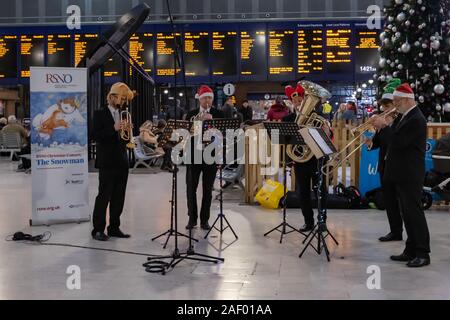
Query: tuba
307 117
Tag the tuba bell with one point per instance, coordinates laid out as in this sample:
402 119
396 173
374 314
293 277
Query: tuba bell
307 117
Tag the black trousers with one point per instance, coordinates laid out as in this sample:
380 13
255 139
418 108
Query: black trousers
193 172
392 205
306 175
111 190
409 196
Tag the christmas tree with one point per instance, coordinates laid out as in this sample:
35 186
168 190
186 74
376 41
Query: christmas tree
415 47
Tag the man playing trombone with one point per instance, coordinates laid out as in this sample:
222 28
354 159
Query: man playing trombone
112 162
381 141
405 171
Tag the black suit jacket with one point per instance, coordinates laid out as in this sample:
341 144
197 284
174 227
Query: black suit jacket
405 158
381 141
111 151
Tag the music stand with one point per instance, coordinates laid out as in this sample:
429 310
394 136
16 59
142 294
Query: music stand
222 125
165 140
287 133
322 148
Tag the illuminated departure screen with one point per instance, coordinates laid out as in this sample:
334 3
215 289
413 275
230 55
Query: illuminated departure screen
58 50
338 51
32 53
281 52
366 51
141 50
8 56
196 53
112 67
309 51
224 46
164 54
83 43
253 52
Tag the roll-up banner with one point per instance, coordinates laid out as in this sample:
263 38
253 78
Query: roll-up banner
59 142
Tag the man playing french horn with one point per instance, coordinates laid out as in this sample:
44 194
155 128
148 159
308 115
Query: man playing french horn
306 173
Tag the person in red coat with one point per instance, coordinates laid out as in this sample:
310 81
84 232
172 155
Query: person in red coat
278 110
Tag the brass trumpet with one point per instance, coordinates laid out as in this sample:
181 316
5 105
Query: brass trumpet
126 130
338 159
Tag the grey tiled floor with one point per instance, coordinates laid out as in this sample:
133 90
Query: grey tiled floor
255 267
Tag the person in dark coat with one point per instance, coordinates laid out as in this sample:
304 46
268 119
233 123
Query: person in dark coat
381 141
405 172
112 162
206 111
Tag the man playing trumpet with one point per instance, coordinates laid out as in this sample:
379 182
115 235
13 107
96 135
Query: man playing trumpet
206 111
112 162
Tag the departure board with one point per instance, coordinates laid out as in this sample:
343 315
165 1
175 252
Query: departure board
196 53
338 50
253 53
32 53
281 52
165 54
58 50
366 51
83 43
223 51
141 47
8 56
310 50
112 67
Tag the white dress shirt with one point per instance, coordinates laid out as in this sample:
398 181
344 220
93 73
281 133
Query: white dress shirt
114 113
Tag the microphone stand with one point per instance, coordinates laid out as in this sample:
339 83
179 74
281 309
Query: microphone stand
155 264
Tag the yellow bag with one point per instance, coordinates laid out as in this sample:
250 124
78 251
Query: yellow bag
270 194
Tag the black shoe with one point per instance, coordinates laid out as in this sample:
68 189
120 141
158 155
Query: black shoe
100 236
391 237
118 234
418 262
306 228
402 257
191 225
205 226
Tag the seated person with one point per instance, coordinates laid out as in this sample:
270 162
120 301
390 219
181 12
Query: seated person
148 138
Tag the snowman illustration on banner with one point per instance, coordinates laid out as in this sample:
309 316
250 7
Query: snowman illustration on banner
59 116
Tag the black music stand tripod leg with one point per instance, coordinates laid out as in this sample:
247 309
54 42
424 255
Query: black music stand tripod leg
284 223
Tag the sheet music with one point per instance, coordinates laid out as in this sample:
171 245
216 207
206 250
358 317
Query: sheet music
320 141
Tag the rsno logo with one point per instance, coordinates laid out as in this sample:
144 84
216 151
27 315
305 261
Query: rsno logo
56 78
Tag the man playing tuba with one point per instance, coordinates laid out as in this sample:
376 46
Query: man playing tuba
306 173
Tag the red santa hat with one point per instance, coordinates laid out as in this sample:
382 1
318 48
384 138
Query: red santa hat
292 92
204 91
404 91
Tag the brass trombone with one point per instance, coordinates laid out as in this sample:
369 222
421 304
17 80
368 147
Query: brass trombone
338 159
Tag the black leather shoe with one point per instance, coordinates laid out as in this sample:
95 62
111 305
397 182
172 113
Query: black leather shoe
402 257
191 225
391 237
100 236
306 227
205 226
418 262
118 234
